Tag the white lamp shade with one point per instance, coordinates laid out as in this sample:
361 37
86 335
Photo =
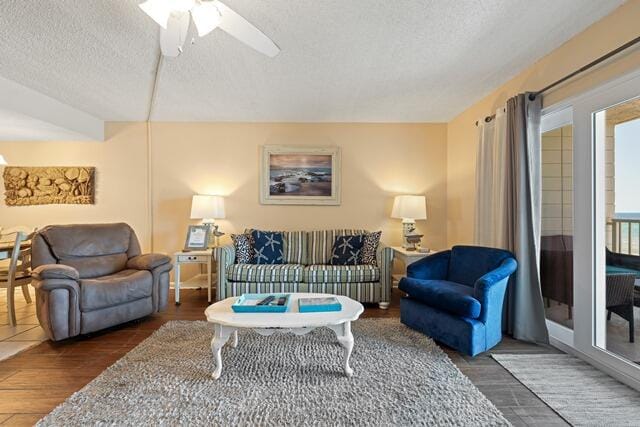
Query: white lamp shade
207 207
409 207
3 162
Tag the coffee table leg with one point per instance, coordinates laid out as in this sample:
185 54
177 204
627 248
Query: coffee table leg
345 338
234 339
220 336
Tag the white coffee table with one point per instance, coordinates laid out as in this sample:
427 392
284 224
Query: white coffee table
226 324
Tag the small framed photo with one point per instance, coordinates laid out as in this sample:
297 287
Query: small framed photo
197 237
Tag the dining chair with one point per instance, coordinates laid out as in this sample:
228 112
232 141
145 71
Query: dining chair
18 270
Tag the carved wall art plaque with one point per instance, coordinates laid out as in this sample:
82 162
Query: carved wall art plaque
48 185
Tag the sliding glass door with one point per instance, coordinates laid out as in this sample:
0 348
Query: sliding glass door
605 230
556 246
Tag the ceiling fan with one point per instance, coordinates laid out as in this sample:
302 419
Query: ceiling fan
174 17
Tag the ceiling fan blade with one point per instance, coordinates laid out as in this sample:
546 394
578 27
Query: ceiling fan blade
173 38
244 31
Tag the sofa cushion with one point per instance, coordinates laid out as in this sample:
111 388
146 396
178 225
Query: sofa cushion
346 250
341 274
294 246
114 289
243 247
320 244
448 296
267 247
370 248
263 273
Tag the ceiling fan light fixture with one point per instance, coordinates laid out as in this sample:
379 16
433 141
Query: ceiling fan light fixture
206 17
181 5
158 10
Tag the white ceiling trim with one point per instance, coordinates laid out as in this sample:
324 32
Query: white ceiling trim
26 114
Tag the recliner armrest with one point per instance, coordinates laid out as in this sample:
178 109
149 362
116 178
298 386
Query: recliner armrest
148 261
55 271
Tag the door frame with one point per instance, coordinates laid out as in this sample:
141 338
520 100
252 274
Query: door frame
589 229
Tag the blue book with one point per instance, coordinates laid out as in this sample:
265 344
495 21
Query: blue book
315 305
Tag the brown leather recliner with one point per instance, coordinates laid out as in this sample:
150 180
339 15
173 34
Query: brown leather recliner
92 276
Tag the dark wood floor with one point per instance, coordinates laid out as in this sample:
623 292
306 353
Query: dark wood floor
34 382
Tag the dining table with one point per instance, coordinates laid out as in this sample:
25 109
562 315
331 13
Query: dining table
6 249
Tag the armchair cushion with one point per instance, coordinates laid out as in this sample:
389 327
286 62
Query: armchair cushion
614 269
444 295
148 261
55 271
88 240
469 263
115 289
434 267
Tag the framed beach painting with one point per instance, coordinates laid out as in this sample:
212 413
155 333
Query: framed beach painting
299 175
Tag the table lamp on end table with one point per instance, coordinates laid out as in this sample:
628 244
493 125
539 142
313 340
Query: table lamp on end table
409 209
208 209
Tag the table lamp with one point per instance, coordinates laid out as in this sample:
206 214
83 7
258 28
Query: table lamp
409 209
3 162
208 209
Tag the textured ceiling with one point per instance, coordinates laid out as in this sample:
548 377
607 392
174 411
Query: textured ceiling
341 60
18 127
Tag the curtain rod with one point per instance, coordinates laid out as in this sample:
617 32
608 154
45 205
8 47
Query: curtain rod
591 64
487 119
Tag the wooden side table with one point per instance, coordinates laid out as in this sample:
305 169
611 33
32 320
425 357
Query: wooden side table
204 257
408 258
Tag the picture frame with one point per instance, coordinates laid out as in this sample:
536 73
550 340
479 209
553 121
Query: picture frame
197 238
300 175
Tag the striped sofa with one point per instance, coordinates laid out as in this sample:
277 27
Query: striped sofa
307 269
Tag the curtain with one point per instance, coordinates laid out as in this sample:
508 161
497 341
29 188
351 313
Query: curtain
490 182
508 208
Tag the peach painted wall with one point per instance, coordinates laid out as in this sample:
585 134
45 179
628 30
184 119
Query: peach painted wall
603 36
121 179
378 162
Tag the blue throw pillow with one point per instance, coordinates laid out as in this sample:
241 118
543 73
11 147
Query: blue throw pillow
346 250
267 247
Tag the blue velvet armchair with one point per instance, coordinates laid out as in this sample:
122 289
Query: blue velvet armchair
456 296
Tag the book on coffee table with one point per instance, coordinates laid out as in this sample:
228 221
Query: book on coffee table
319 304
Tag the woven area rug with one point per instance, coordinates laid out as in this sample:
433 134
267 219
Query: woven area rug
401 378
580 393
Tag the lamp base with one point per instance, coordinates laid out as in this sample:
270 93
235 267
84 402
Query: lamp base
408 227
214 234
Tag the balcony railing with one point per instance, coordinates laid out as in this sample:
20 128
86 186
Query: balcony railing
624 235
